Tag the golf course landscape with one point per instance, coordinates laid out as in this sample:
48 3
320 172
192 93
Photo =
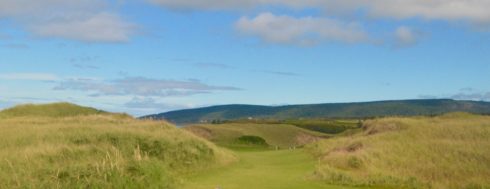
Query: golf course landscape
64 145
244 94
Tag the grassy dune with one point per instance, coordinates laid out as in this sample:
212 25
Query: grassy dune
99 151
280 135
450 151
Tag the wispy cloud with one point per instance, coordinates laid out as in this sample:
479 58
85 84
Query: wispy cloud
4 36
84 62
467 89
207 65
85 66
84 59
277 73
141 86
463 94
304 31
152 104
405 37
212 65
481 96
29 76
16 46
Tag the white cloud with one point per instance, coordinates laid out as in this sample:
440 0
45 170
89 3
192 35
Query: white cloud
205 4
475 11
405 36
471 10
29 76
23 7
82 20
300 31
99 27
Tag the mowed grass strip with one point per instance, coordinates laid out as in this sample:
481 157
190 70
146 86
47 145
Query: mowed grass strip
282 169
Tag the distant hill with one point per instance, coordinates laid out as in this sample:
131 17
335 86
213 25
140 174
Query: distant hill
330 110
62 109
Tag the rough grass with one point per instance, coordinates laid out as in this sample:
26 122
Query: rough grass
450 151
276 135
99 151
251 140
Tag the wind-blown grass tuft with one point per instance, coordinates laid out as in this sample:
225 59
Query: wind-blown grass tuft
99 151
449 151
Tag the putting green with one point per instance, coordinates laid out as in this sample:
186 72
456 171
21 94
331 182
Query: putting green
283 169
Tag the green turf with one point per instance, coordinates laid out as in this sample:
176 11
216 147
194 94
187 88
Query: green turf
61 109
283 169
322 125
276 135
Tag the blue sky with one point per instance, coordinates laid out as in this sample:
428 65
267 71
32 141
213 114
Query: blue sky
150 56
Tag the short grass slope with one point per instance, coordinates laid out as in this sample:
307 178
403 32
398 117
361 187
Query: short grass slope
100 151
328 126
275 135
273 169
449 151
61 109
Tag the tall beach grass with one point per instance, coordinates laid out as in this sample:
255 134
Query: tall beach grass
449 151
99 151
